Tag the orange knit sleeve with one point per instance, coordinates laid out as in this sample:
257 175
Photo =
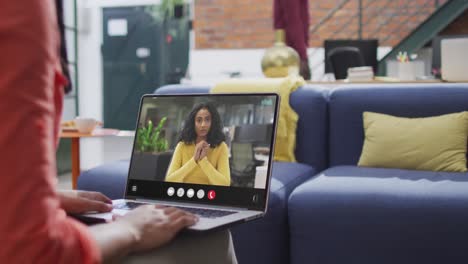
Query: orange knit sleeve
33 228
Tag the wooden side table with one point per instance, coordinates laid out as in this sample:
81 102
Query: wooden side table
75 146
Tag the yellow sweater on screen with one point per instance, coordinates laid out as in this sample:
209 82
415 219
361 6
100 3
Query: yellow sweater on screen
211 170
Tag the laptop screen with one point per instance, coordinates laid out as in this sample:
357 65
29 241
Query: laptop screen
204 149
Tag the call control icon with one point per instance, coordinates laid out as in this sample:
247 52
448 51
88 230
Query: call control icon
190 193
170 191
211 195
200 194
180 192
255 198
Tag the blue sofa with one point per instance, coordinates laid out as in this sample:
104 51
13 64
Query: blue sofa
325 209
350 214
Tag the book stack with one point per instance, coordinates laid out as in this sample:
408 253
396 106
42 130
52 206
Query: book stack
364 73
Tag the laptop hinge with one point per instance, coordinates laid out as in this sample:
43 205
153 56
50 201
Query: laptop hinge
193 205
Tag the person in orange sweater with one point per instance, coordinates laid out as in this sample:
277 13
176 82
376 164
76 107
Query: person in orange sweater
201 156
34 227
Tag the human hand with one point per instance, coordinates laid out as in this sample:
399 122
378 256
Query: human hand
153 226
198 150
78 202
204 150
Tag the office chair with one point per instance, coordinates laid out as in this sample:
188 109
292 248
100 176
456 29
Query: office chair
150 166
243 164
342 58
162 164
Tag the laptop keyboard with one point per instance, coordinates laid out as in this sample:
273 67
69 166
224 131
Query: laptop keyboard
207 213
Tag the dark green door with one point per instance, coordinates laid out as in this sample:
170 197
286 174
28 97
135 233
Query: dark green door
140 53
131 53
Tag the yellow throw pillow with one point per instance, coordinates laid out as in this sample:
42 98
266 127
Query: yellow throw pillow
432 143
287 123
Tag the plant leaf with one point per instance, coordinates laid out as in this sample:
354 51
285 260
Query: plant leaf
149 129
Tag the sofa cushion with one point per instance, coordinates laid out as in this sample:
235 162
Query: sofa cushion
266 240
285 139
346 105
109 178
435 143
380 216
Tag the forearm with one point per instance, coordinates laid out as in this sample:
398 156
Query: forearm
114 240
36 229
182 172
215 177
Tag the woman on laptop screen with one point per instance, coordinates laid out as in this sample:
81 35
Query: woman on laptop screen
201 156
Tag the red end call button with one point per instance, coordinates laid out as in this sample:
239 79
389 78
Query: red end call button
211 195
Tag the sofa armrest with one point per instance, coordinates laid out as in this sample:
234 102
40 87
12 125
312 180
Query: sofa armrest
110 179
311 104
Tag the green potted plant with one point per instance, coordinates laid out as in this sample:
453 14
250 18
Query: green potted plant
152 157
167 10
173 8
172 17
149 138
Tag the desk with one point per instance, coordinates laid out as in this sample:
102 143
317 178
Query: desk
75 145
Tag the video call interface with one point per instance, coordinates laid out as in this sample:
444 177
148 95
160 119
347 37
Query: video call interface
212 149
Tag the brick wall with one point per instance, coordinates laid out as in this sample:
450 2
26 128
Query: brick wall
233 24
247 24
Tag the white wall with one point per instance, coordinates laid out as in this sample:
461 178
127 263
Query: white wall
89 52
90 95
211 65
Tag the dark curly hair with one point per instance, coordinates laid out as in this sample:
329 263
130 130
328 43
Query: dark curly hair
215 135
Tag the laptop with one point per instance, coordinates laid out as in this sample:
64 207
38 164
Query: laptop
454 55
226 184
